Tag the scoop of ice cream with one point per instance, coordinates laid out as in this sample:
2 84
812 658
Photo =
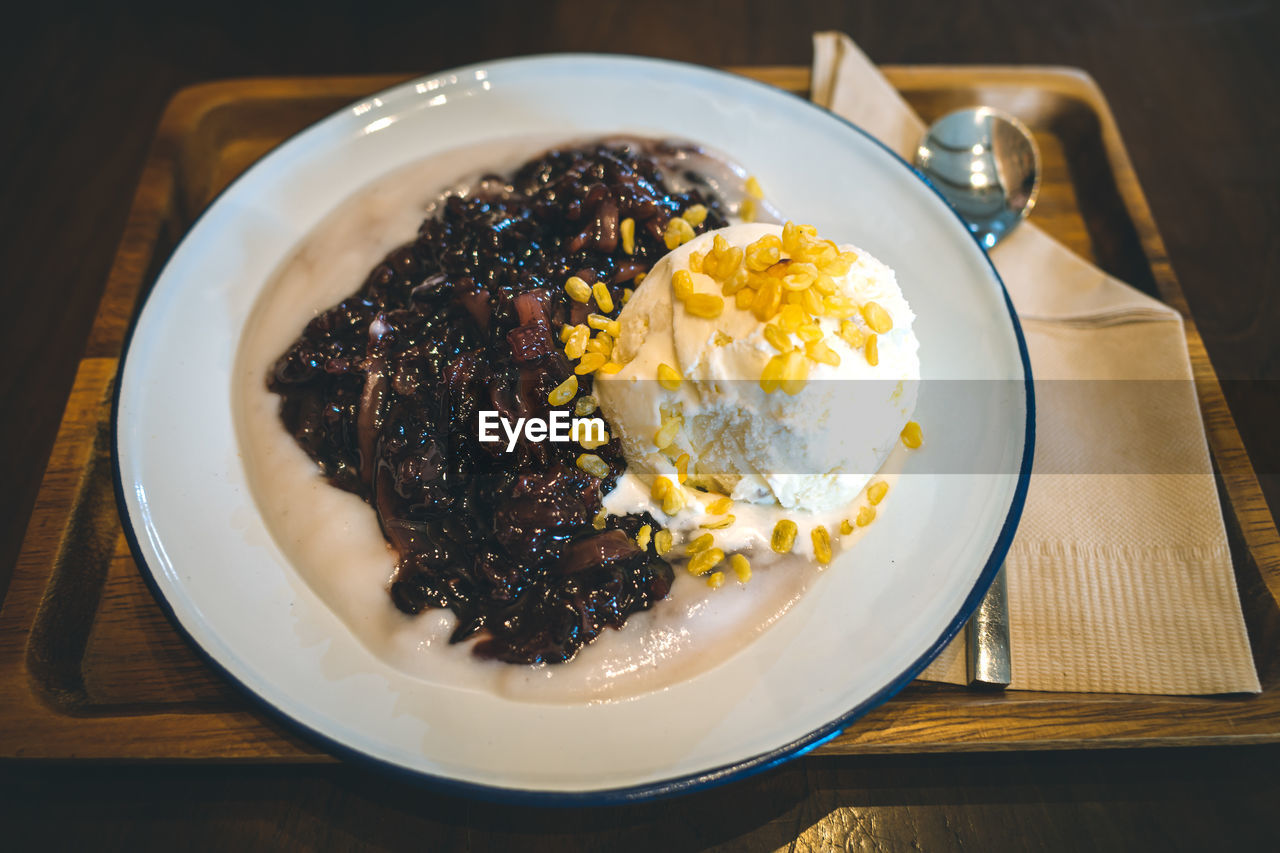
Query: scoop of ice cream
825 416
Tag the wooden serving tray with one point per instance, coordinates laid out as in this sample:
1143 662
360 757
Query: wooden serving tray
91 668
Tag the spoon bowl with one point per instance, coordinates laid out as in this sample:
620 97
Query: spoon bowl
987 165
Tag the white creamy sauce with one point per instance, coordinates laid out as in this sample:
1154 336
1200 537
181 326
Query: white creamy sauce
332 537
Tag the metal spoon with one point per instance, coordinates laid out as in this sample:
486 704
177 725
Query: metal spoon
987 165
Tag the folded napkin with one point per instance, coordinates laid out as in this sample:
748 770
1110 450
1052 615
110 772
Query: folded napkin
1118 582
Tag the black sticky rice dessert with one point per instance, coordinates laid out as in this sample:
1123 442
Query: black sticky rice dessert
383 390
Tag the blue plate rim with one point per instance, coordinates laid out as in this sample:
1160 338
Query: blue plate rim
689 783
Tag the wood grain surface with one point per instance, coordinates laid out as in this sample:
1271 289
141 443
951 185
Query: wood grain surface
1188 82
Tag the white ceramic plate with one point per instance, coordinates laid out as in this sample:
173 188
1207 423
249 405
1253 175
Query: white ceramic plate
881 612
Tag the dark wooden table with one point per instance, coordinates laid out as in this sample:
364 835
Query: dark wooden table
1194 84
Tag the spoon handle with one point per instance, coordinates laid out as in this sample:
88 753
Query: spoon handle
990 663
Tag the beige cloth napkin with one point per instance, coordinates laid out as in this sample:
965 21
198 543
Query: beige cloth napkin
1118 582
